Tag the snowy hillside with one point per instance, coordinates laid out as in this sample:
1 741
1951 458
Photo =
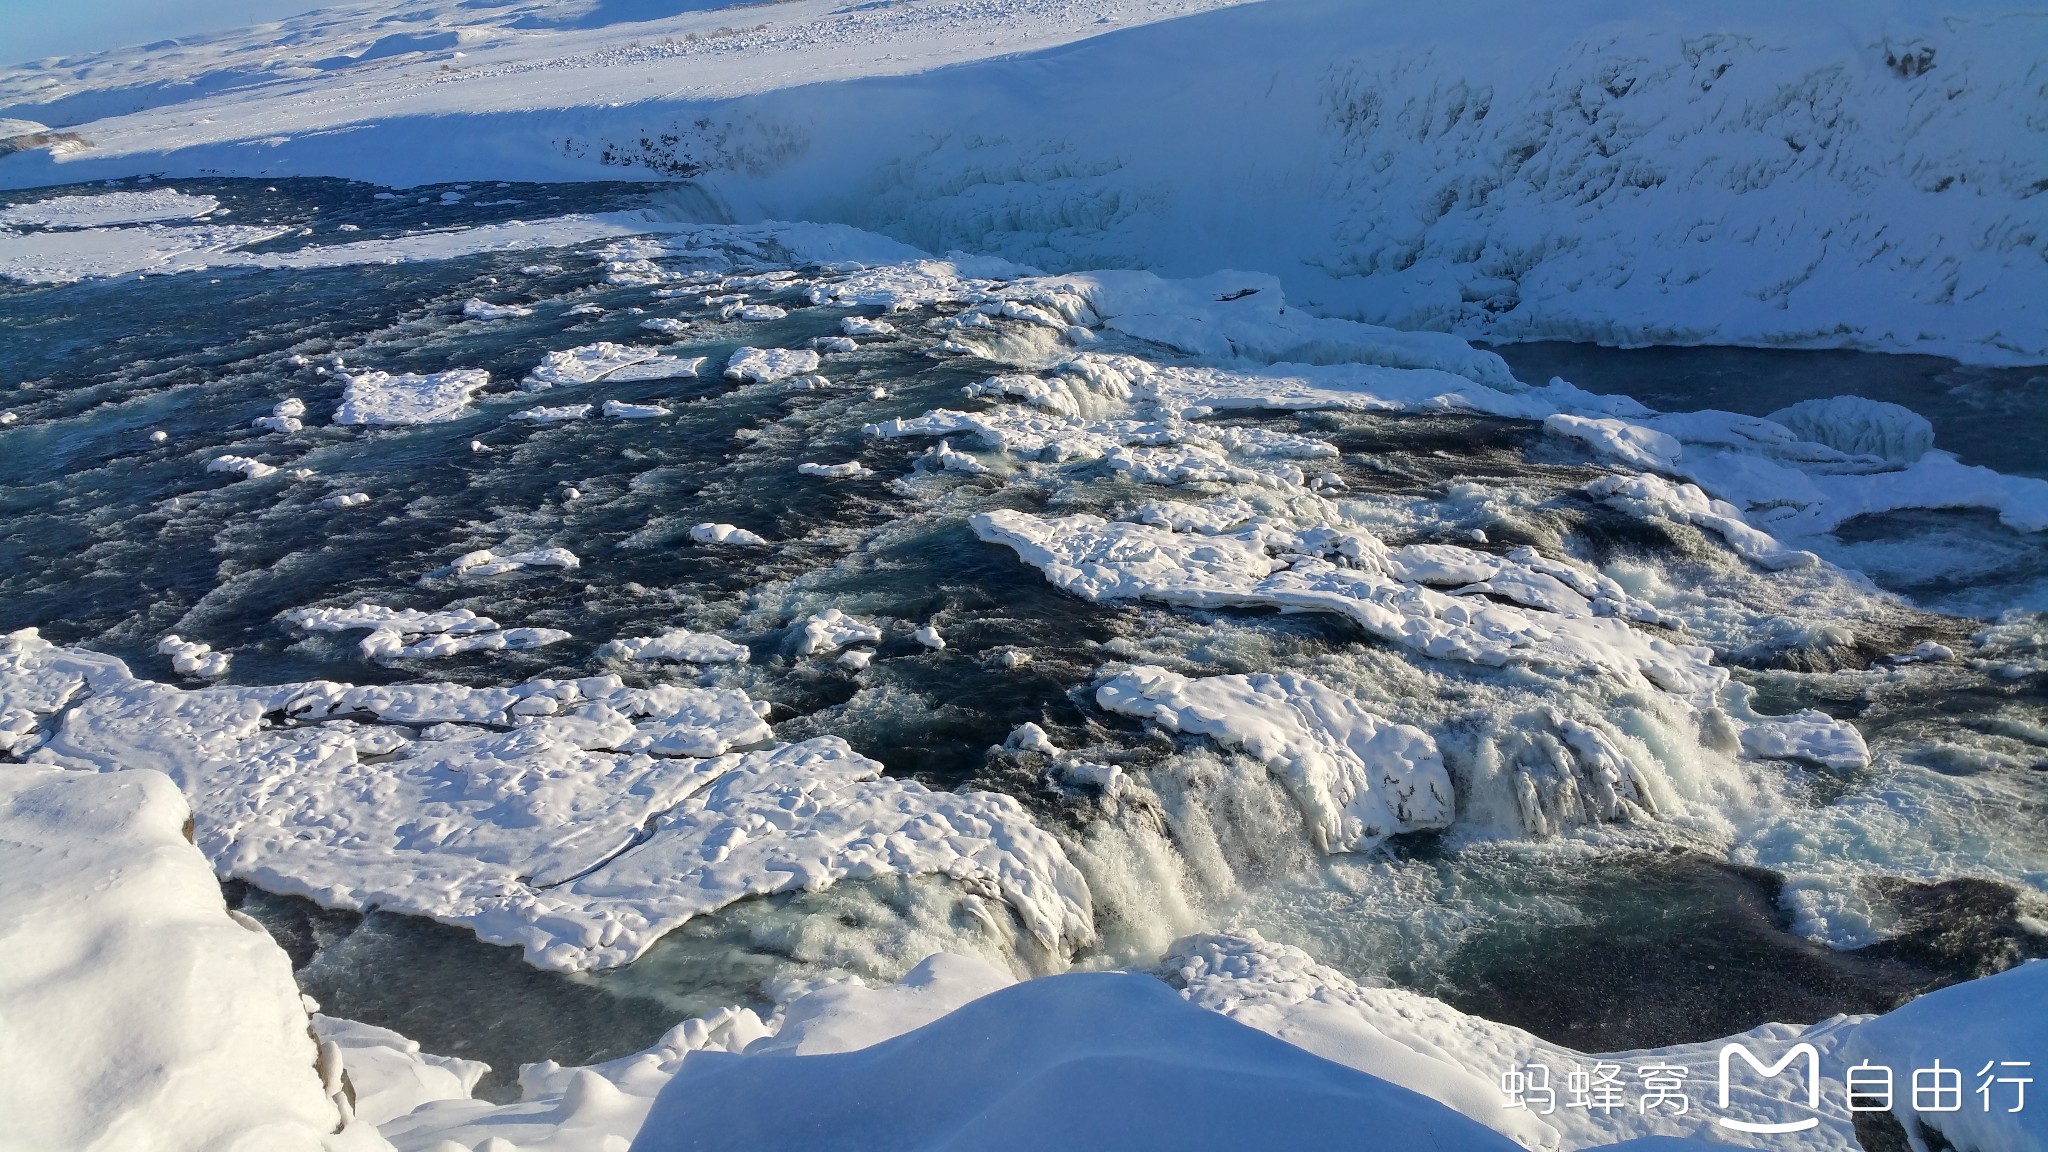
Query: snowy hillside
1747 173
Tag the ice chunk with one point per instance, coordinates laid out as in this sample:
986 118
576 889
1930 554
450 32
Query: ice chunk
951 461
929 637
836 344
1891 432
484 562
252 469
619 409
140 1013
725 534
559 414
1358 778
104 208
851 470
195 660
1812 736
831 630
677 644
607 361
476 309
767 365
409 634
856 659
863 326
381 398
1685 503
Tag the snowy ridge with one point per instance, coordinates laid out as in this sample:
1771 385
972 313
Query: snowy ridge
1615 173
578 819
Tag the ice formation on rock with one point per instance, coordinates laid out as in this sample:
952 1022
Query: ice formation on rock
677 644
198 661
410 634
767 365
607 361
830 630
725 534
1359 778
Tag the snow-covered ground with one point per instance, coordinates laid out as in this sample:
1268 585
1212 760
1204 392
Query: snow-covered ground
1624 173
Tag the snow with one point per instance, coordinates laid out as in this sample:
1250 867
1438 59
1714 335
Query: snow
198 661
1358 778
1107 1060
580 820
1968 1026
676 644
1102 560
929 637
389 1075
767 365
560 414
607 361
476 309
485 562
830 630
1811 736
380 398
851 470
725 534
100 209
866 326
410 634
621 410
1895 434
246 467
141 1014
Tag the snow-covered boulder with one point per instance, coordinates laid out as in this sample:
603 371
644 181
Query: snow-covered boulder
1893 433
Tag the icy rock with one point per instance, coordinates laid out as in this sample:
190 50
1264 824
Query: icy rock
284 417
388 1073
1107 779
725 534
410 634
677 644
140 1015
347 499
667 326
831 630
1030 737
1851 424
1358 778
835 344
620 410
753 312
929 637
1102 560
607 361
856 659
767 365
381 398
1686 504
1926 651
951 461
485 562
862 326
159 436
251 469
476 309
851 470
1814 737
195 660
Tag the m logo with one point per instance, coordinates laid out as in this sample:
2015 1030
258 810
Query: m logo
1761 1069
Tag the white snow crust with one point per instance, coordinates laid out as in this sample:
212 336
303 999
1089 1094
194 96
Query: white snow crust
607 361
580 820
676 644
767 365
375 397
830 630
142 1016
100 209
410 634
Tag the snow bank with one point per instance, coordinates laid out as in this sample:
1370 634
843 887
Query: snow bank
1359 778
141 1015
1088 1060
388 1075
1973 1027
382 398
